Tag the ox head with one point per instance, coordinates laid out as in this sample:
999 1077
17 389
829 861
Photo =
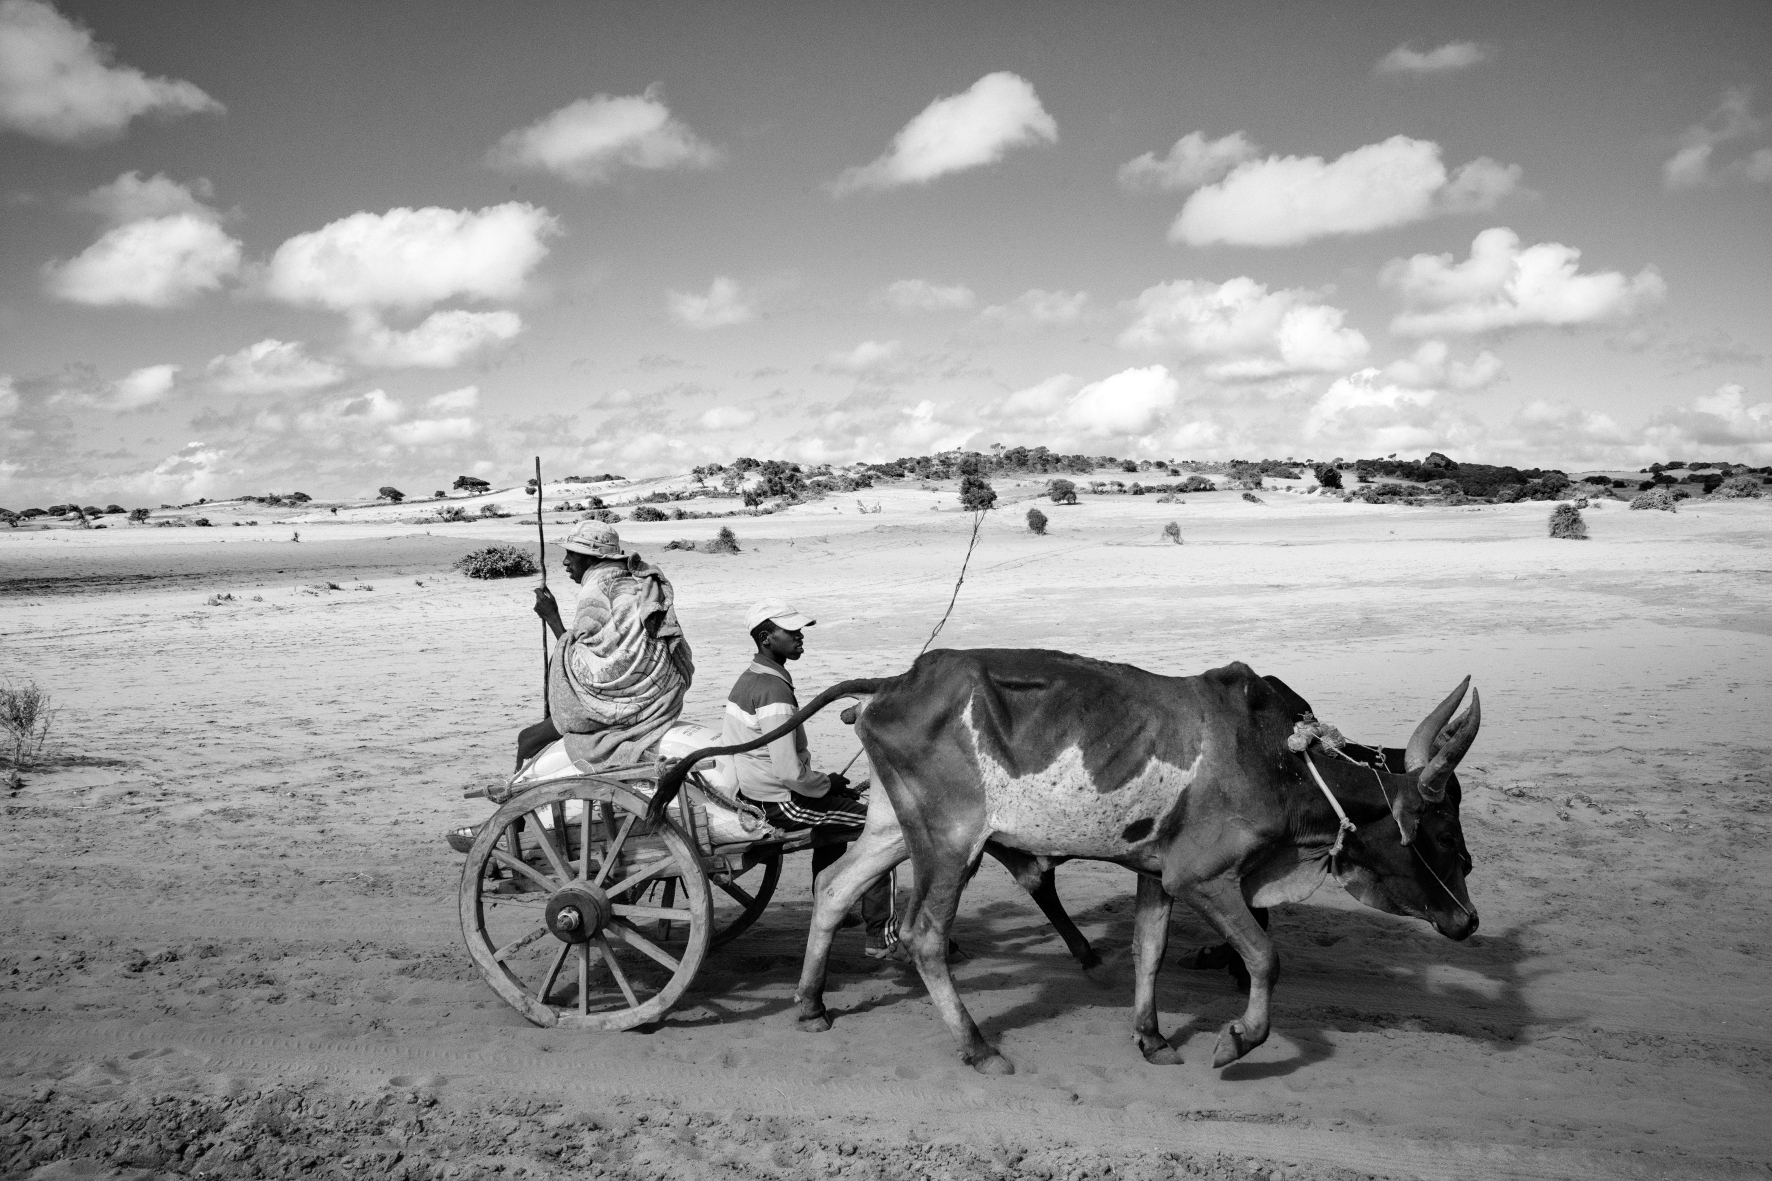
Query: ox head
1414 862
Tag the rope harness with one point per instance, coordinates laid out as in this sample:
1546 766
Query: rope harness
1309 731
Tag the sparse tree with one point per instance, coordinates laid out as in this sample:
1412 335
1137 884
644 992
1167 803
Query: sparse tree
138 515
1328 475
976 494
389 492
1061 491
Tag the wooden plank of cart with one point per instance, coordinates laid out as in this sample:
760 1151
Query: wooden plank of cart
581 913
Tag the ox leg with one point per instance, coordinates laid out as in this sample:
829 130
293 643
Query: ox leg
1220 900
1036 876
936 902
875 852
1150 938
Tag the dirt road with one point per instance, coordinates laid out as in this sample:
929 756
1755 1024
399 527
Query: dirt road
230 943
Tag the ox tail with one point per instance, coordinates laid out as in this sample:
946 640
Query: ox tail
672 780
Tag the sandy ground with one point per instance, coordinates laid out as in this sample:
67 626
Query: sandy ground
230 943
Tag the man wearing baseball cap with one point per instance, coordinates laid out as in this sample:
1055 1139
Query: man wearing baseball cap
779 777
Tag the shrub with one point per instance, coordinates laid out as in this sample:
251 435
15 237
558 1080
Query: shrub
1173 532
607 516
389 492
1061 491
976 495
454 512
1566 522
138 515
1036 521
1197 483
1657 497
10 517
1739 486
1602 481
1328 475
497 561
724 542
680 543
201 522
439 494
492 510
647 513
25 718
1253 499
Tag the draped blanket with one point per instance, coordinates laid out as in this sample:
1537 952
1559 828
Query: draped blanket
619 674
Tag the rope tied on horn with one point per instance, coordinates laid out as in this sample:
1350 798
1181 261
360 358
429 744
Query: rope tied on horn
1306 732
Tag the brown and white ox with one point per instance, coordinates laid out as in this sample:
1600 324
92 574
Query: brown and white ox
1187 781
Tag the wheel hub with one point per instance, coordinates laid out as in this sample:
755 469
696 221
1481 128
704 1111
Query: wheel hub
577 912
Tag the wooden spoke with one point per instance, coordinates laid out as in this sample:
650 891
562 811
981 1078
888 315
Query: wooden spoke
584 977
738 892
638 911
585 816
553 973
524 868
545 839
614 853
640 943
670 896
508 950
651 869
621 979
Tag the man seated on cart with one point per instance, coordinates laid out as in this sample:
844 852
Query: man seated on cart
779 777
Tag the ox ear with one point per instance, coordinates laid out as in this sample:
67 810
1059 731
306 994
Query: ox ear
1431 782
1422 743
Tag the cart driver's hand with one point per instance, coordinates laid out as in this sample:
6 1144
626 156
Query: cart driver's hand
839 781
545 606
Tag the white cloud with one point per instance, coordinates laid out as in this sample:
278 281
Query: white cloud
1128 403
157 262
866 357
442 340
466 398
1193 160
1036 308
1690 166
614 400
962 131
725 304
1432 365
1040 400
130 198
1445 59
1361 414
429 432
1714 422
58 84
272 367
1286 200
918 295
196 469
413 258
588 140
144 387
1244 330
1502 286
728 418
8 396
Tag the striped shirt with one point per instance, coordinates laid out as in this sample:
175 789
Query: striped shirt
762 700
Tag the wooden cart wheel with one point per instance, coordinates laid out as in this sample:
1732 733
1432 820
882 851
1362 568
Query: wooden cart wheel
739 898
558 906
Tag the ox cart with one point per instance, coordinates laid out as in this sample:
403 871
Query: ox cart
580 912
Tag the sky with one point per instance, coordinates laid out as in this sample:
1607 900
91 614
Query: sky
333 246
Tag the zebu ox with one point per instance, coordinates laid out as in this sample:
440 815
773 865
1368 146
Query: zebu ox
1188 781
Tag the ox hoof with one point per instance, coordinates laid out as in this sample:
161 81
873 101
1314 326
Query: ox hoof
994 1064
1158 1052
1233 1043
817 1022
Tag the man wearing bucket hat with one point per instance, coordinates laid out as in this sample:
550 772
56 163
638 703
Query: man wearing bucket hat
779 777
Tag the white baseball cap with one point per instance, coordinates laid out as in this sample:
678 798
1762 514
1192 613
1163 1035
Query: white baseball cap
780 612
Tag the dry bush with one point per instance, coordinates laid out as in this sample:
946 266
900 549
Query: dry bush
1566 522
1657 497
1036 521
1173 532
452 512
647 513
492 510
1253 499
497 561
1738 487
724 542
25 718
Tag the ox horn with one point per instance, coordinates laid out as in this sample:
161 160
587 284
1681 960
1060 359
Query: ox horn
1422 743
1432 781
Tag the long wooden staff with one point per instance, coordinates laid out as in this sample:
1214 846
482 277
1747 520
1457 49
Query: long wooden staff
541 541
